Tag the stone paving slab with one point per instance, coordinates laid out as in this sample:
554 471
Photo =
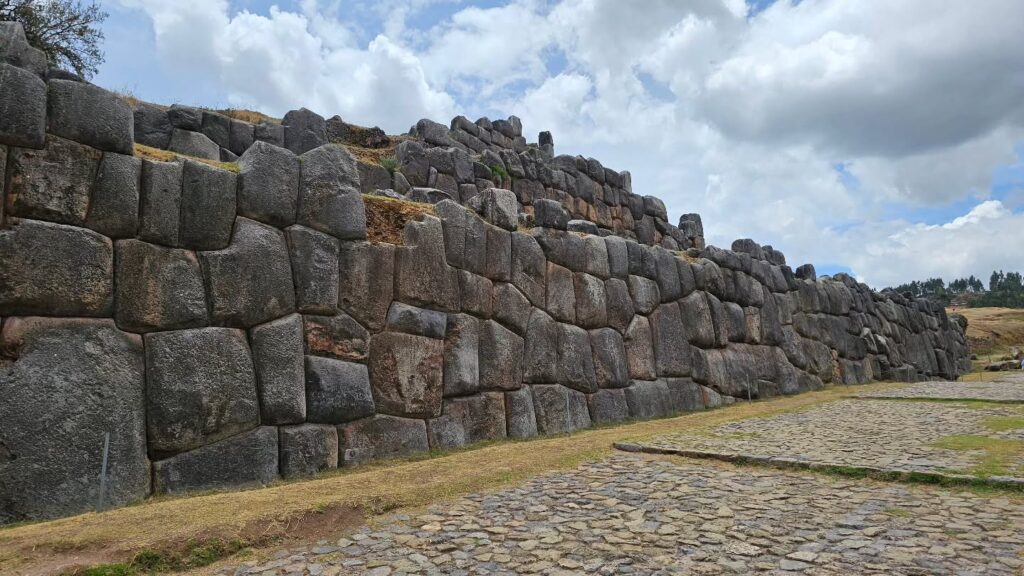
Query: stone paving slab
633 515
888 435
1004 389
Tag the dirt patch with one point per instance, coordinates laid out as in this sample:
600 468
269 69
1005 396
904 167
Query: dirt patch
386 218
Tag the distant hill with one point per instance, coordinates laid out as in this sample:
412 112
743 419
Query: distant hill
993 330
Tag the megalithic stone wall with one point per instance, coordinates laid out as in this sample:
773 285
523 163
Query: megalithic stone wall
229 329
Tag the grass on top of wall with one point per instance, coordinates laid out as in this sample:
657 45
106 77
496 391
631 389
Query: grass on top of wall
386 218
159 155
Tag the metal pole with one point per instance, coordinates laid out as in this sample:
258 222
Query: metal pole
103 471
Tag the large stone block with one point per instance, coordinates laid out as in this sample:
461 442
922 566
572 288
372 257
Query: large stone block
158 288
671 347
241 137
591 308
520 418
499 207
280 374
477 294
610 364
618 256
248 459
619 304
645 294
608 406
461 355
575 359
91 115
160 202
314 257
268 184
329 198
668 275
201 387
595 256
407 374
416 321
685 395
217 127
114 209
304 130
250 281
55 270
185 117
696 315
469 420
559 409
337 391
65 383
307 449
639 345
511 307
561 293
529 268
22 108
193 144
540 362
498 255
501 357
648 400
422 277
54 183
207 206
366 285
338 336
152 125
381 437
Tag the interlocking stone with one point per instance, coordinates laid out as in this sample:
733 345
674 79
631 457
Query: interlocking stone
338 336
280 373
406 372
381 436
461 355
23 101
207 209
307 449
248 459
89 114
337 391
54 183
329 197
114 208
268 184
559 409
366 286
314 257
158 288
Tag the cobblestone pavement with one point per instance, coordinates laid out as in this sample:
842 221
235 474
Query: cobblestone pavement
888 434
632 515
1008 388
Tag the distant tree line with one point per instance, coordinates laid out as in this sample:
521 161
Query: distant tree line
1005 289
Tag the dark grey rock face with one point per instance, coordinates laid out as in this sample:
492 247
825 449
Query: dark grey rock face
217 127
268 184
307 449
520 418
250 281
416 321
337 391
52 184
269 133
201 387
528 268
510 307
114 209
329 197
52 269
639 344
160 202
158 288
152 125
499 207
22 108
501 357
193 144
461 355
610 364
248 459
207 206
550 214
65 384
304 130
648 400
406 372
575 359
280 372
645 294
608 406
91 115
241 137
314 258
671 347
185 117
366 273
422 276
540 363
381 436
559 409
685 395
468 420
591 310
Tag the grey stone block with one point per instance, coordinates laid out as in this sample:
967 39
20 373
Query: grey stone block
540 362
685 395
619 304
461 355
558 409
416 321
499 207
608 406
648 400
668 275
248 459
160 202
501 357
366 273
407 375
499 255
379 437
610 364
618 256
15 49
22 108
304 130
314 257
280 371
550 214
520 417
307 449
337 391
65 383
639 345
193 144
671 347
268 184
52 269
329 198
591 309
468 420
477 294
54 183
645 293
241 136
510 307
91 115
185 117
158 288
152 125
575 359
201 387
207 206
696 316
422 276
217 127
595 256
529 268
269 133
250 281
338 336
114 210
561 293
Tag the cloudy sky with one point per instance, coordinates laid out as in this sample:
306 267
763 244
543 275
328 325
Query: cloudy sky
877 137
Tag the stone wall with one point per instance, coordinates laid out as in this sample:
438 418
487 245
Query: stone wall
232 328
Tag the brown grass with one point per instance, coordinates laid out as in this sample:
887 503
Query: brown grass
993 331
158 155
386 218
250 116
288 509
374 155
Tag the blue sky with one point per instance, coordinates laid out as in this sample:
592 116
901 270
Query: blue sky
796 124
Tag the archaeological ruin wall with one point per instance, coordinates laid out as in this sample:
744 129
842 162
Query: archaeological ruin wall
233 324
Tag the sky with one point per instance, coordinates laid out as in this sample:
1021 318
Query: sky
883 139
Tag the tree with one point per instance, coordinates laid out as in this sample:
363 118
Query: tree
67 31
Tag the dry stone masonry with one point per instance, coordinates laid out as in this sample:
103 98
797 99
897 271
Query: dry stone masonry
230 329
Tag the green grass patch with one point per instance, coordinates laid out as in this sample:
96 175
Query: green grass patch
1000 456
195 555
1003 423
897 512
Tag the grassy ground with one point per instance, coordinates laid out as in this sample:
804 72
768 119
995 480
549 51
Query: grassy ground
209 526
993 331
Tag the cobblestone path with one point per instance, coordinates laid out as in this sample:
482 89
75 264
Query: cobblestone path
633 515
1008 388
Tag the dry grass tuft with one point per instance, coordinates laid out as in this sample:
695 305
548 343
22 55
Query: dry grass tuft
250 116
386 218
376 155
158 155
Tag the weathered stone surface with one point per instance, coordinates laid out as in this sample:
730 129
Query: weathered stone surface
201 387
529 268
499 207
591 311
412 159
520 418
193 144
639 345
469 420
540 362
406 372
696 315
269 133
648 400
158 288
422 277
498 257
609 358
671 348
618 256
89 114
501 357
550 214
185 117
381 436
619 304
249 282
366 285
160 202
268 184
22 108
248 459
561 293
307 449
304 130
461 355
477 294
575 359
207 206
645 294
280 372
217 127
54 183
337 391
559 409
329 198
337 336
64 384
241 137
54 269
668 275
373 177
314 257
511 307
608 406
685 395
114 209
416 321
